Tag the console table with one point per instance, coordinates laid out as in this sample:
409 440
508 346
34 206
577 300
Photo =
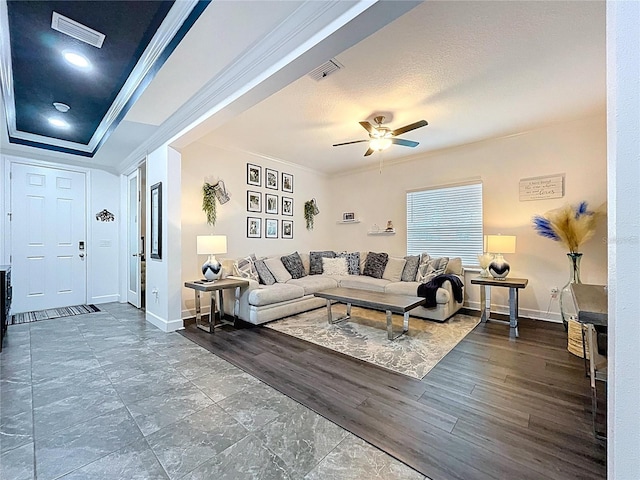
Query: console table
513 284
214 288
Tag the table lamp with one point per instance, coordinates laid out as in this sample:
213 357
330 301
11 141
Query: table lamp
211 245
499 244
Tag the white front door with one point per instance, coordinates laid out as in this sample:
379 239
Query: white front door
134 243
48 238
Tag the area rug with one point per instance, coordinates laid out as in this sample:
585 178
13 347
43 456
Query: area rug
364 336
52 313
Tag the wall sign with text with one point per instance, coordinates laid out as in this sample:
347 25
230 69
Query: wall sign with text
539 188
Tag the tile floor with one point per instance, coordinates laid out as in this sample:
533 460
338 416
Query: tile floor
109 396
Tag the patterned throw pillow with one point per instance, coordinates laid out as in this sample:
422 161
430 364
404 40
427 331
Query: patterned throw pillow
315 261
435 267
266 277
423 267
334 266
245 268
375 264
410 268
353 262
293 263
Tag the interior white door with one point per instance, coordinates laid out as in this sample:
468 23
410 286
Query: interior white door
48 238
134 249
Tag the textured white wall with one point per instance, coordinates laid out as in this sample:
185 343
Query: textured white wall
202 163
623 119
576 148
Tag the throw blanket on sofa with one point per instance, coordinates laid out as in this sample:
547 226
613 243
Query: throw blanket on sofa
428 290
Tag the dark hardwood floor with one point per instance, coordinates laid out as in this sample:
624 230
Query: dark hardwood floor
493 408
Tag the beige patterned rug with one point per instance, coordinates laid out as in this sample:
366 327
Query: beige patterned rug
364 336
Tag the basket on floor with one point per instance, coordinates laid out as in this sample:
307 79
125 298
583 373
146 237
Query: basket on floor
574 344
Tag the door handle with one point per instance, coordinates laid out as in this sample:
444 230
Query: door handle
81 255
135 254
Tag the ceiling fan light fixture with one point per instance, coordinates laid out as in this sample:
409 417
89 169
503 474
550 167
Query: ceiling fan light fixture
379 144
76 59
58 122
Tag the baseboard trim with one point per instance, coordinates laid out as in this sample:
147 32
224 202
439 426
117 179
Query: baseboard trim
523 312
105 299
162 324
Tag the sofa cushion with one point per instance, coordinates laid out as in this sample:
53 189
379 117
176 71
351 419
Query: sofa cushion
334 266
279 292
305 262
314 283
353 262
293 264
363 259
411 288
394 268
375 264
245 268
364 282
277 269
315 261
266 277
410 268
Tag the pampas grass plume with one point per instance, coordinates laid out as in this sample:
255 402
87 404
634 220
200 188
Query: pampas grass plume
572 226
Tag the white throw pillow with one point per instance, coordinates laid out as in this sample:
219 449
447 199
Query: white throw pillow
393 269
278 270
334 266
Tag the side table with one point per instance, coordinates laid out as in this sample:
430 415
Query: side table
214 288
514 284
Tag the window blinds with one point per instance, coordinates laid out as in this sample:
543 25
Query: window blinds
446 222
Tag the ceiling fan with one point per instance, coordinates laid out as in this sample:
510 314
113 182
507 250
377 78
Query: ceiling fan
381 137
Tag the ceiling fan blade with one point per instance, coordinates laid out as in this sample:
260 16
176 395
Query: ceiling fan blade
404 143
408 128
367 126
368 152
349 143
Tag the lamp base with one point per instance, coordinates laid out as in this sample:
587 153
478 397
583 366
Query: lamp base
499 267
212 269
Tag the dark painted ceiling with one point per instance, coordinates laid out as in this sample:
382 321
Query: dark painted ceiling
41 76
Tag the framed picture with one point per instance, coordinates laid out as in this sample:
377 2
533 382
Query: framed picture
271 179
271 228
156 221
287 228
254 201
271 203
348 217
287 206
254 227
287 182
254 175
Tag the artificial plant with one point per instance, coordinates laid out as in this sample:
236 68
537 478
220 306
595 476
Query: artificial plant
310 211
209 203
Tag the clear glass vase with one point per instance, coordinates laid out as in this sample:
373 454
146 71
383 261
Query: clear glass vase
567 307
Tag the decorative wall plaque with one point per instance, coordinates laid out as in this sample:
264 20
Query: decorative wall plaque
540 188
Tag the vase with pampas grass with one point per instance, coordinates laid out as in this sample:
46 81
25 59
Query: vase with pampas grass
572 226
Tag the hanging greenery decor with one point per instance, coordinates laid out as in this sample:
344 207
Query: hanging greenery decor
209 203
309 212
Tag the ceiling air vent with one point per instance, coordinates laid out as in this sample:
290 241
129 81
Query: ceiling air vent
326 69
76 30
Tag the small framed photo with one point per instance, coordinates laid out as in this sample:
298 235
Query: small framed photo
271 228
348 217
287 182
254 175
287 206
287 228
271 179
271 204
254 201
254 227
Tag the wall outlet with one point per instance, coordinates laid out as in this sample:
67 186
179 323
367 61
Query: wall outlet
554 292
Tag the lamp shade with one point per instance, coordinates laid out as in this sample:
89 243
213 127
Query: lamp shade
211 244
501 243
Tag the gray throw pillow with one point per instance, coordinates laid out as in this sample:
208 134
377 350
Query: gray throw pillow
353 262
410 268
293 263
375 264
266 277
315 261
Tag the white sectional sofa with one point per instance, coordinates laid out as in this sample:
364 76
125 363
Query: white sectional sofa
263 303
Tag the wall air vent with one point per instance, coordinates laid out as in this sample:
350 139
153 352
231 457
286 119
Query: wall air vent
76 30
326 69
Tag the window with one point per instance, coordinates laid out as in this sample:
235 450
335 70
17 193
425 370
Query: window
446 222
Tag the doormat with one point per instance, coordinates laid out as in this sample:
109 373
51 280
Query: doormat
52 313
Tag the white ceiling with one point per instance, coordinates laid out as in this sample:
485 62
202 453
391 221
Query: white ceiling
474 70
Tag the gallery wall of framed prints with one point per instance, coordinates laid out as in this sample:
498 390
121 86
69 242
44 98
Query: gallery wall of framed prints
262 185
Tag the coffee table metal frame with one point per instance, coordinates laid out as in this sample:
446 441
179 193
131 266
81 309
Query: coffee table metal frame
387 302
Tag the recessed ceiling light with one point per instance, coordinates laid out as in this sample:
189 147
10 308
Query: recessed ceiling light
58 122
61 107
76 59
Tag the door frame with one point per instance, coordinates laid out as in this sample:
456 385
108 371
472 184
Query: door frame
7 250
